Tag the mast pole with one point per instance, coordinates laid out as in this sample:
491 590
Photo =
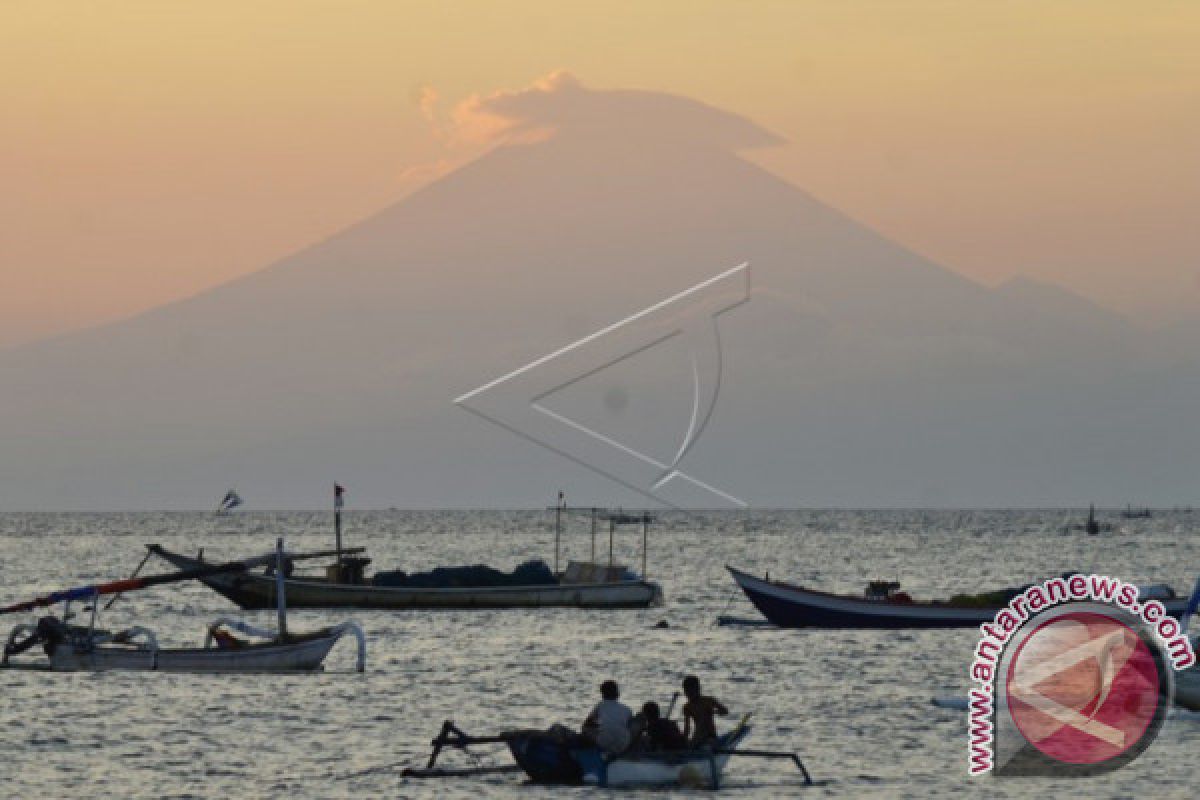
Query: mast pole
645 540
593 559
337 528
612 527
558 510
280 599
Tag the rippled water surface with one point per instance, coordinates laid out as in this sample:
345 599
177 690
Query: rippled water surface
855 705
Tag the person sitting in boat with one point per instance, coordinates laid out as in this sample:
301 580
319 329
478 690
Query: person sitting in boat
608 724
699 712
657 733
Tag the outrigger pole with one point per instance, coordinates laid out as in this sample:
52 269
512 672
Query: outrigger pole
133 584
452 736
795 759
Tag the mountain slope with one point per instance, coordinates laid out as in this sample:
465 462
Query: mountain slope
852 354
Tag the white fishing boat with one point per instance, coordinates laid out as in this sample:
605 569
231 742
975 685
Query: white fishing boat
73 648
692 769
78 648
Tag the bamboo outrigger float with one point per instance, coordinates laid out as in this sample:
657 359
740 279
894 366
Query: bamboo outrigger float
70 648
345 584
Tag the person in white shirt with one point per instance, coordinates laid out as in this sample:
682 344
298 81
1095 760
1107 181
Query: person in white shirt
608 724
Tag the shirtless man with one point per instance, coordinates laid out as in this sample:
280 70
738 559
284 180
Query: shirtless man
699 725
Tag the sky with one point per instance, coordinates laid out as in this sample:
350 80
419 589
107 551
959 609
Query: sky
150 150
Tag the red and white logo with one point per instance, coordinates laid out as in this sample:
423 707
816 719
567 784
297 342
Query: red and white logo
1084 688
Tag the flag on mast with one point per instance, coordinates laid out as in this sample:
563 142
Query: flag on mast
229 502
338 499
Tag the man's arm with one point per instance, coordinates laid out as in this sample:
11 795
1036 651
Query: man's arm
687 723
719 707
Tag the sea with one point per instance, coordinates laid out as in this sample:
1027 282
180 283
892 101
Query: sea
857 706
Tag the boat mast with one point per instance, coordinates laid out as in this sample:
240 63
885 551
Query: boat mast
280 599
612 527
338 491
645 540
558 510
593 559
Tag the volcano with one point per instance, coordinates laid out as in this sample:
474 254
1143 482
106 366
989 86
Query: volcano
857 373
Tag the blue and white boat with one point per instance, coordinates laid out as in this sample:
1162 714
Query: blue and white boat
559 757
791 606
546 761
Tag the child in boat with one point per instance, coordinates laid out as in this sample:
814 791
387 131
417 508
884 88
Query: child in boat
608 724
658 733
699 724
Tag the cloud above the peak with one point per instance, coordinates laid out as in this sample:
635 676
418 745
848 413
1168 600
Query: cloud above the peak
560 104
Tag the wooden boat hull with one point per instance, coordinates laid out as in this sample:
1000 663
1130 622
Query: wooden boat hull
549 762
251 591
1187 688
796 607
304 655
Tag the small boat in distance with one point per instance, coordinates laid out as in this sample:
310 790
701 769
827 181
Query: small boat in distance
1091 525
791 606
74 648
1136 513
345 583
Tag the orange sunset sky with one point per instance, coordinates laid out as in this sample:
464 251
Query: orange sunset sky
151 149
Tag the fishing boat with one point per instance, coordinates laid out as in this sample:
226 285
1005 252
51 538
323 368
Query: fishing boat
555 758
1136 513
73 648
345 583
789 606
1091 525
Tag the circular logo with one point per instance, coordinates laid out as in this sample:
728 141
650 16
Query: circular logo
1086 688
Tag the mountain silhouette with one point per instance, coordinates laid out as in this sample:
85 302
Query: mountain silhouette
858 373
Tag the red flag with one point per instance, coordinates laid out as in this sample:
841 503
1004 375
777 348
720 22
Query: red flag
338 491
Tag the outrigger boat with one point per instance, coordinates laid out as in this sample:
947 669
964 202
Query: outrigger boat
345 584
555 759
791 606
71 648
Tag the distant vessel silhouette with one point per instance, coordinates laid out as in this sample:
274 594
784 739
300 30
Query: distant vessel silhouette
1091 525
1136 513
